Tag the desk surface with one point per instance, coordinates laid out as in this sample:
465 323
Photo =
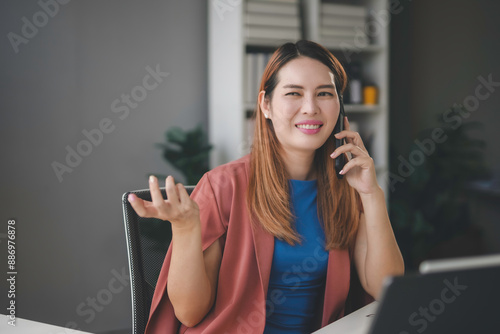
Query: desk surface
24 326
355 323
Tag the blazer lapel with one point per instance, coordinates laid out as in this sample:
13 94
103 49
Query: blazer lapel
264 250
337 285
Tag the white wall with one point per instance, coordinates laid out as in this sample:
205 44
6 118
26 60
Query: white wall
70 235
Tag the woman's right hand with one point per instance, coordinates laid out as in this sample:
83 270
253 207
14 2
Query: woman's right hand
193 272
178 208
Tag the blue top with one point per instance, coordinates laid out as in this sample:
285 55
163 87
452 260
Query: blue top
298 273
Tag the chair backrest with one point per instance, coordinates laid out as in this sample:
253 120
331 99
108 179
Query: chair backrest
147 243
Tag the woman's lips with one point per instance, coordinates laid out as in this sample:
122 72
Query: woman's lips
309 128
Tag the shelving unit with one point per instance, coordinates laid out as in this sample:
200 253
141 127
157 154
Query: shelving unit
230 130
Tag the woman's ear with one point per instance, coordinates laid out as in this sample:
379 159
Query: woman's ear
264 104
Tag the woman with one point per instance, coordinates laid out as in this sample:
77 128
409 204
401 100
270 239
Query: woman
267 243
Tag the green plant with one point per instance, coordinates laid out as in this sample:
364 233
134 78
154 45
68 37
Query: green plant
429 207
187 151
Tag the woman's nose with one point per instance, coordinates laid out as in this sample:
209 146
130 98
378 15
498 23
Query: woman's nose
310 106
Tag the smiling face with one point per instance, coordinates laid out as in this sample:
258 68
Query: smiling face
304 106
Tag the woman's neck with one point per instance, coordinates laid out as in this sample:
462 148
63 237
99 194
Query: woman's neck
300 165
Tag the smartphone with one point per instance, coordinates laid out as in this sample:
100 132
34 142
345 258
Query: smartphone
340 161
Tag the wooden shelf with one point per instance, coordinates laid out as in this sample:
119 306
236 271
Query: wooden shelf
361 108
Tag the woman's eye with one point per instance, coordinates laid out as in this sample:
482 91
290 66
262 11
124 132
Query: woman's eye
292 94
325 94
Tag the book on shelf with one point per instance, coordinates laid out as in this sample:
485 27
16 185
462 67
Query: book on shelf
255 65
338 32
250 66
272 20
276 1
258 32
261 66
339 21
334 42
344 10
342 24
273 7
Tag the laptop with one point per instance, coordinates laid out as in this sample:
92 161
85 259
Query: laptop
452 296
432 266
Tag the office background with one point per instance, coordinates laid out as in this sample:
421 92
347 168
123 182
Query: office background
68 81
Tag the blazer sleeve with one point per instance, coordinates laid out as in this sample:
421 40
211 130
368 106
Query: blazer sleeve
162 317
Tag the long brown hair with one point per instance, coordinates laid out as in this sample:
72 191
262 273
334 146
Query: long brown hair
268 196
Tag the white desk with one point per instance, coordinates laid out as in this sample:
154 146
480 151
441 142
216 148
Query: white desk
355 323
24 326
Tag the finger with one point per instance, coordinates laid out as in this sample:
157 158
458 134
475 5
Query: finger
356 162
351 148
171 189
183 194
139 205
154 188
351 137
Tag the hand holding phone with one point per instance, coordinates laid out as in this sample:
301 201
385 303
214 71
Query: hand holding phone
340 161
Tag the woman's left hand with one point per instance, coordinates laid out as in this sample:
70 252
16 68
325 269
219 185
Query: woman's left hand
360 170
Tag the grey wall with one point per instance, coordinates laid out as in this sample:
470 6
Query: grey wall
70 236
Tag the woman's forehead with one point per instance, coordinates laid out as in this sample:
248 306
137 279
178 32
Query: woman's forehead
305 70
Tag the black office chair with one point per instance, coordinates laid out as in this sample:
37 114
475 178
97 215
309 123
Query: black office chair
147 243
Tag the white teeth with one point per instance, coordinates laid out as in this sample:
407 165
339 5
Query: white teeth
308 126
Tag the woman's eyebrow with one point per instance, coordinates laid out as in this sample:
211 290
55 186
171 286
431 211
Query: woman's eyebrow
293 86
330 86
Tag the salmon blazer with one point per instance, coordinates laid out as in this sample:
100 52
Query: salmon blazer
240 305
